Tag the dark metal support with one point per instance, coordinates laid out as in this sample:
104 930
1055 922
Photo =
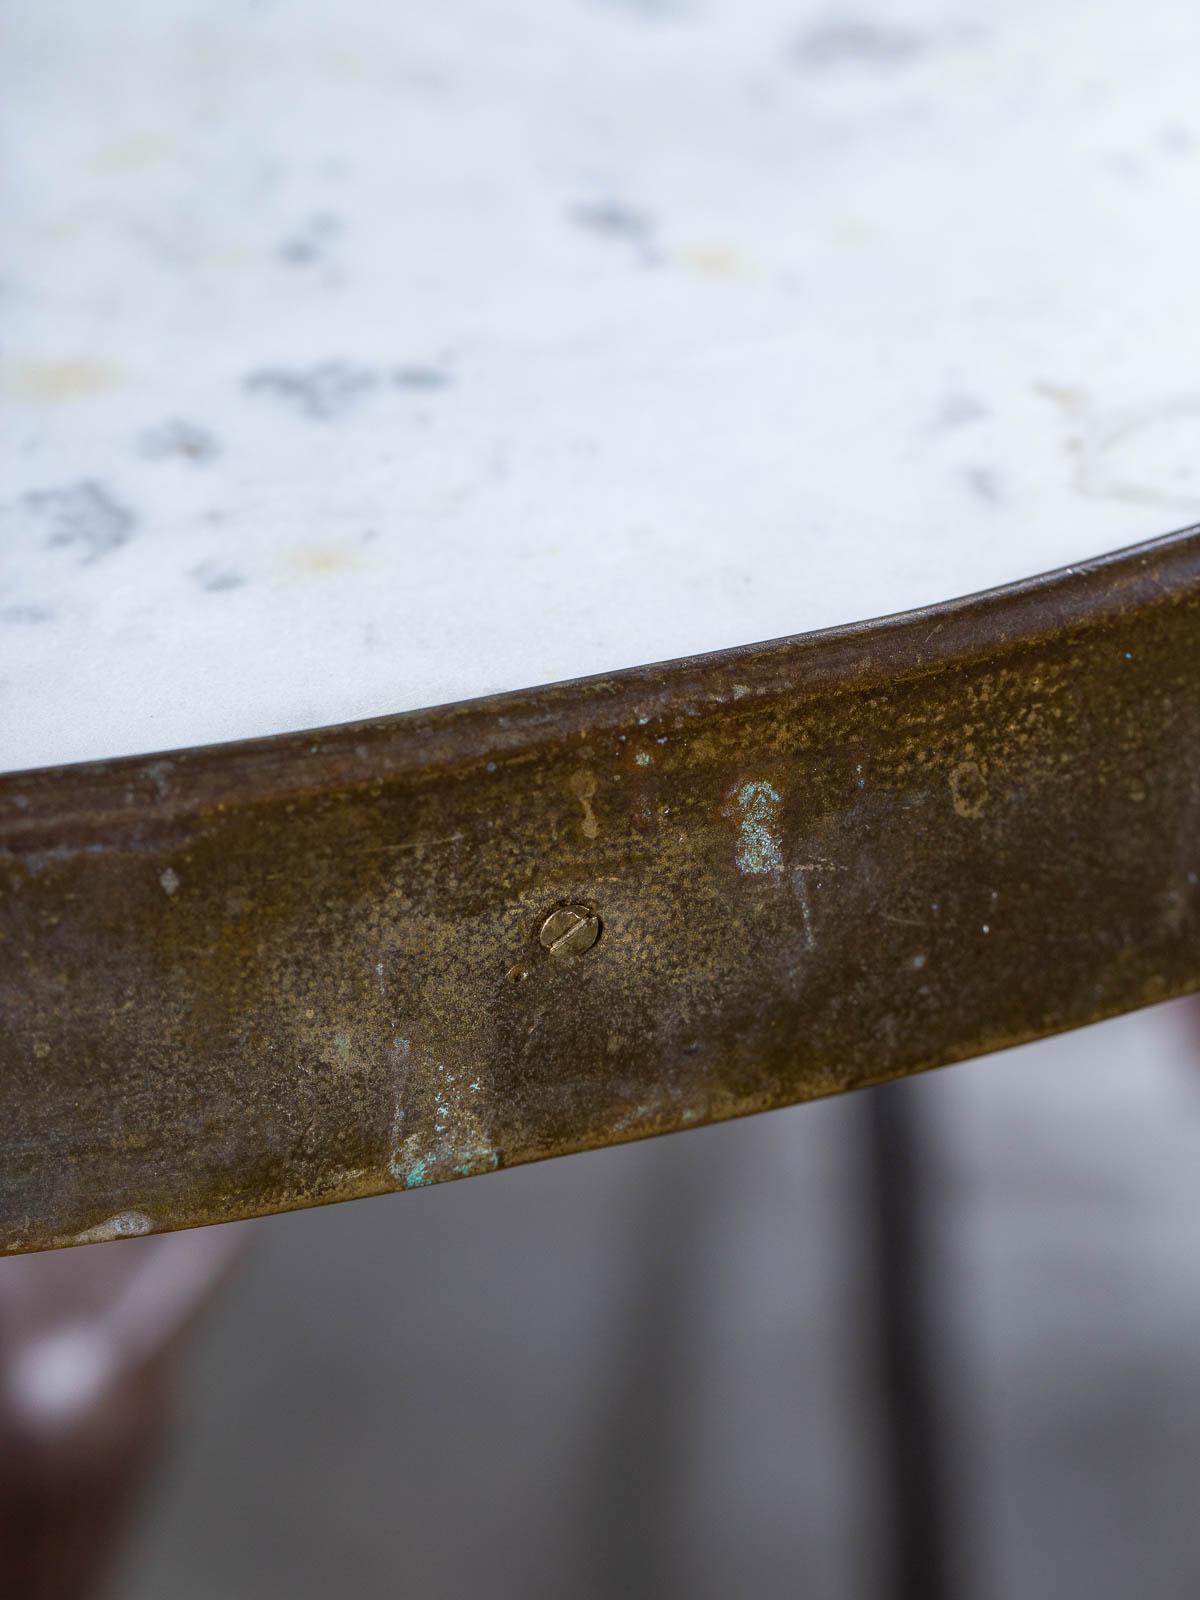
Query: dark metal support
911 1400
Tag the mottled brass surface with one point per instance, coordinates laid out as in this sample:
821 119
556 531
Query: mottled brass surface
239 979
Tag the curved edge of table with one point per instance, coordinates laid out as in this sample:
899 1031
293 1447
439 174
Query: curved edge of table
258 976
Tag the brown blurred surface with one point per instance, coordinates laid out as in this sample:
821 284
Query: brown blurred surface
91 1342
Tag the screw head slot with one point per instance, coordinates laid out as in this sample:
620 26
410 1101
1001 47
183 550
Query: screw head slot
570 930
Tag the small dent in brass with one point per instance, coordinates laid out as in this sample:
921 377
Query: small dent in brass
570 930
968 789
583 787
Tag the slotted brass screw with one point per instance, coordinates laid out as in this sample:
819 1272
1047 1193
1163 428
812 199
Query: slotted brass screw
570 931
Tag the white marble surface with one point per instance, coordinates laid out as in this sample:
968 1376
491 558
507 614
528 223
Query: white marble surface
365 357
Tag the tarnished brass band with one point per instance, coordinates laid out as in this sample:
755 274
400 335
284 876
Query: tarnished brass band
245 978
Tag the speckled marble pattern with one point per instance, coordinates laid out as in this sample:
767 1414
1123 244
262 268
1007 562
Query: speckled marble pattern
360 358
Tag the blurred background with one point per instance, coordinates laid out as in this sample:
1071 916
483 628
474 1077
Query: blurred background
658 1370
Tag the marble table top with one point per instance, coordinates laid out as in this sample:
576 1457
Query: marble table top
363 357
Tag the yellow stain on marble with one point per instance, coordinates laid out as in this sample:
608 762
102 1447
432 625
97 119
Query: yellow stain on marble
347 64
322 561
715 261
133 155
854 231
46 382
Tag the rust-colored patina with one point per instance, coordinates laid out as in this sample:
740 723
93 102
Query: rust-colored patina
302 969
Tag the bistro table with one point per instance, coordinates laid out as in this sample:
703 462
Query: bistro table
368 360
